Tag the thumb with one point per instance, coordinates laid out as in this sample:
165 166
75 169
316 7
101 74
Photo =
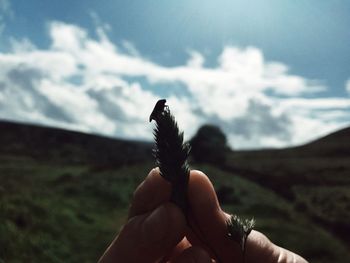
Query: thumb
148 237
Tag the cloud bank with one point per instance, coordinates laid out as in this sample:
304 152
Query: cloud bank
94 85
347 86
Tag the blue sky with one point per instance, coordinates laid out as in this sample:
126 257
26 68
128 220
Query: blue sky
269 73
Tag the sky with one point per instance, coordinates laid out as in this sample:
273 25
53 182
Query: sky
270 73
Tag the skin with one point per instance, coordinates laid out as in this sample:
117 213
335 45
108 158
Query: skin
157 231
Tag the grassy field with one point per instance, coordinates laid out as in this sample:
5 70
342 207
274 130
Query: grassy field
56 210
50 213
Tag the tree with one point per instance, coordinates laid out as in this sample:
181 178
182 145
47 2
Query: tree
209 145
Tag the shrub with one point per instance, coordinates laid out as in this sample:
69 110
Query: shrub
209 145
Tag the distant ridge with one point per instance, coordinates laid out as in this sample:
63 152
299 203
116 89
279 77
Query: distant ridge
60 145
69 147
334 144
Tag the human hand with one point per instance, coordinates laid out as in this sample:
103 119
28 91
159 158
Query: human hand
157 231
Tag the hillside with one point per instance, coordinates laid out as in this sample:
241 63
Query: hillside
63 195
325 161
336 144
69 147
315 176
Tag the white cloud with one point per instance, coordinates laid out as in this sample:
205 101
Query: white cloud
347 86
94 85
314 104
196 60
22 46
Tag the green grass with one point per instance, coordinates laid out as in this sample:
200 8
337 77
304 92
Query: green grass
50 213
330 203
55 213
318 185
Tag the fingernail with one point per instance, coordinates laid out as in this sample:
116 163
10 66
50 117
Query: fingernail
155 226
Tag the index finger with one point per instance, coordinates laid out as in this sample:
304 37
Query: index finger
151 193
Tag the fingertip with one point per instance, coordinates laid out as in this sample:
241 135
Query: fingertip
201 192
153 191
260 247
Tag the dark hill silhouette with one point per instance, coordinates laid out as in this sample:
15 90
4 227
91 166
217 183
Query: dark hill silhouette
69 147
54 144
324 161
334 144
